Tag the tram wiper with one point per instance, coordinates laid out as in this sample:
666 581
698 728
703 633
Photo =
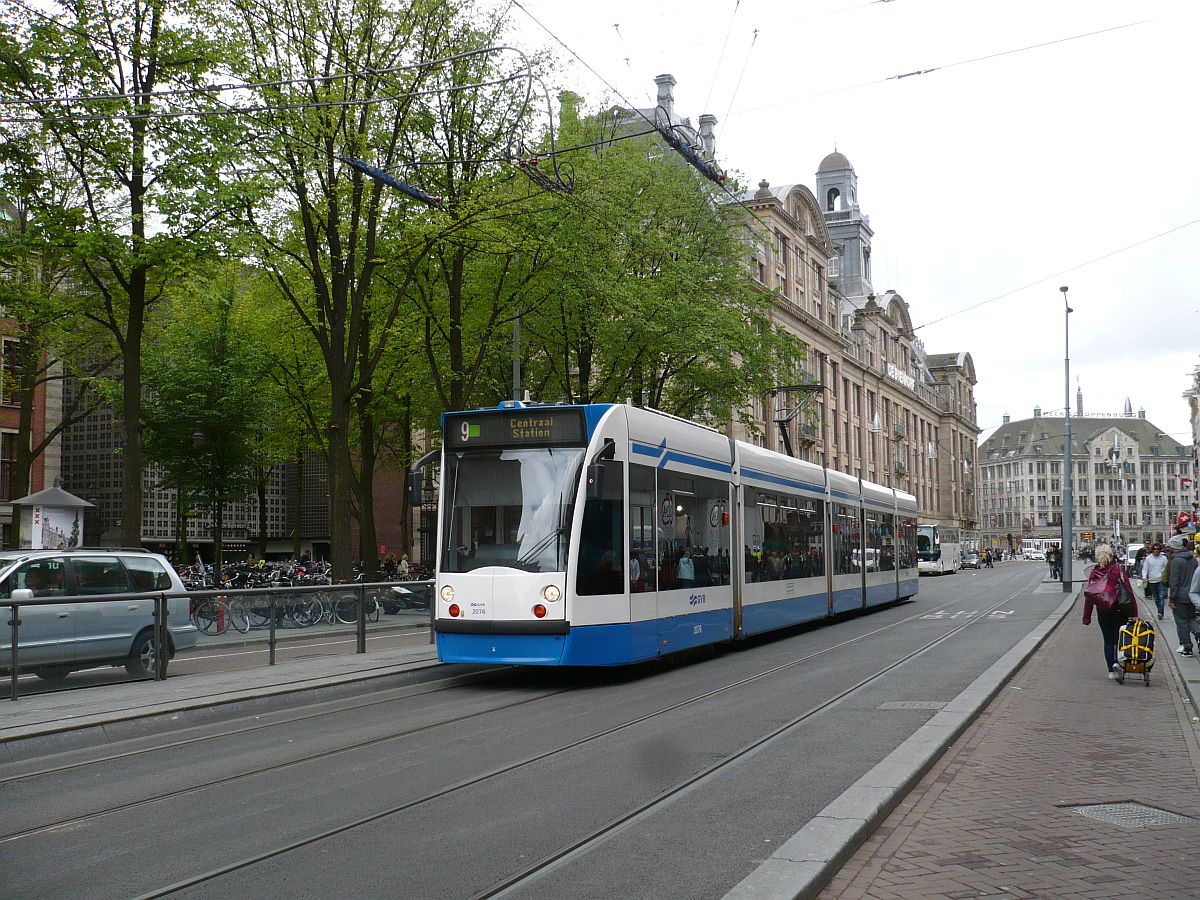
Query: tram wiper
533 552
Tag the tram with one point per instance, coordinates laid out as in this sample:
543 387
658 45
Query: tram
604 535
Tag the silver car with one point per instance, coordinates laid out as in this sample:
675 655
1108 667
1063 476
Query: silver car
57 639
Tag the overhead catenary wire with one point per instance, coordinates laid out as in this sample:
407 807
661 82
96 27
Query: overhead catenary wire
721 55
629 104
1054 275
741 75
308 80
938 68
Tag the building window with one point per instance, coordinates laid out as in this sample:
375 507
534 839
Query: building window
8 464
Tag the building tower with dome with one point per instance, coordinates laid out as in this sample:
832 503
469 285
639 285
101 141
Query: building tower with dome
849 229
885 410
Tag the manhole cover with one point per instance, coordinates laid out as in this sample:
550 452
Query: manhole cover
913 704
1131 815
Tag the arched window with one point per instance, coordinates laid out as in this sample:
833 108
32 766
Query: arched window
831 199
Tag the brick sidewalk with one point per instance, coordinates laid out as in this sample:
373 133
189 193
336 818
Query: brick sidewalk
991 819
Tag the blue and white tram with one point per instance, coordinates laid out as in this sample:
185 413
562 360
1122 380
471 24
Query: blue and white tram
604 535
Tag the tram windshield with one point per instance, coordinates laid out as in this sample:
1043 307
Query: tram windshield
509 508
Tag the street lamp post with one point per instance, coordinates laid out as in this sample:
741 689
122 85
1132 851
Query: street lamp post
1066 519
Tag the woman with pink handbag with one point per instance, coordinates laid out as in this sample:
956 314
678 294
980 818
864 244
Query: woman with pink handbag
1109 592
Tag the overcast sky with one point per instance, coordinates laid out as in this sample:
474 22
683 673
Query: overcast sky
979 178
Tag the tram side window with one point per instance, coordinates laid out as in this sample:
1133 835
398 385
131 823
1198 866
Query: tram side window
785 535
642 510
602 537
693 531
846 540
874 539
887 555
908 543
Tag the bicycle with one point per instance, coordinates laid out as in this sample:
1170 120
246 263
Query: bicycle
214 615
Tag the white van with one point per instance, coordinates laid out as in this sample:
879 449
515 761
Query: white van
1131 563
59 638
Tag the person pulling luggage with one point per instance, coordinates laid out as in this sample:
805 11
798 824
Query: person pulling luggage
1107 582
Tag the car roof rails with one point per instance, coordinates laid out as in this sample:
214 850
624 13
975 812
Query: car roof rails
107 549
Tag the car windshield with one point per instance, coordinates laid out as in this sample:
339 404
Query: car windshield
509 508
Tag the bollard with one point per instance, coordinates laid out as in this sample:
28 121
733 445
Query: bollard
362 617
15 624
271 639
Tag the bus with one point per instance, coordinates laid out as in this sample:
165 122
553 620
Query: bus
939 549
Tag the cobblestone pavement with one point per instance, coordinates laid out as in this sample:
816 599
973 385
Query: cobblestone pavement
996 816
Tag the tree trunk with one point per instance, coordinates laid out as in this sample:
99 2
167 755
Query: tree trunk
218 541
181 524
297 503
24 442
407 501
341 487
264 474
366 489
454 290
131 353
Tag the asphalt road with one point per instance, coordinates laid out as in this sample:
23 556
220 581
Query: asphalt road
673 779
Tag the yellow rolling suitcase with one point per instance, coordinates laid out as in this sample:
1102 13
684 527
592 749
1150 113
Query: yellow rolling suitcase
1135 650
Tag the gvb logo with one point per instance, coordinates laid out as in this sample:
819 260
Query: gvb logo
696 600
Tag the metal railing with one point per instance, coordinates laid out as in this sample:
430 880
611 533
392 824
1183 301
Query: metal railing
277 599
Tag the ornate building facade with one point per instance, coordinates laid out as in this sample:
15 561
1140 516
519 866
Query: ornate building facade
876 405
1129 483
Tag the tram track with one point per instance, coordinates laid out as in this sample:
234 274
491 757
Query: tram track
444 684
599 834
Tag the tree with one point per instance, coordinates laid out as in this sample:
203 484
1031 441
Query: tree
149 179
329 229
48 337
205 407
650 300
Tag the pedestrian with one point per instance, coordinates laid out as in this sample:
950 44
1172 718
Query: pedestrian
1180 568
1108 572
1154 567
1054 560
1194 590
987 559
404 569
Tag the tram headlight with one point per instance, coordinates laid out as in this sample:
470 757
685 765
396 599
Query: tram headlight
447 593
551 593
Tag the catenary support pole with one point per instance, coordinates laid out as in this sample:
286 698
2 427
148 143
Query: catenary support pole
1067 474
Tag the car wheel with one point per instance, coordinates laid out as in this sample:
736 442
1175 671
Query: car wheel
140 663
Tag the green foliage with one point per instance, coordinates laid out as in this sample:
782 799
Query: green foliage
648 295
207 415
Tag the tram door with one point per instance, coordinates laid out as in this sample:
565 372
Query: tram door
643 562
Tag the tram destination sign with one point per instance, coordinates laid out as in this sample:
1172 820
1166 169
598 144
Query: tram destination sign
515 428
